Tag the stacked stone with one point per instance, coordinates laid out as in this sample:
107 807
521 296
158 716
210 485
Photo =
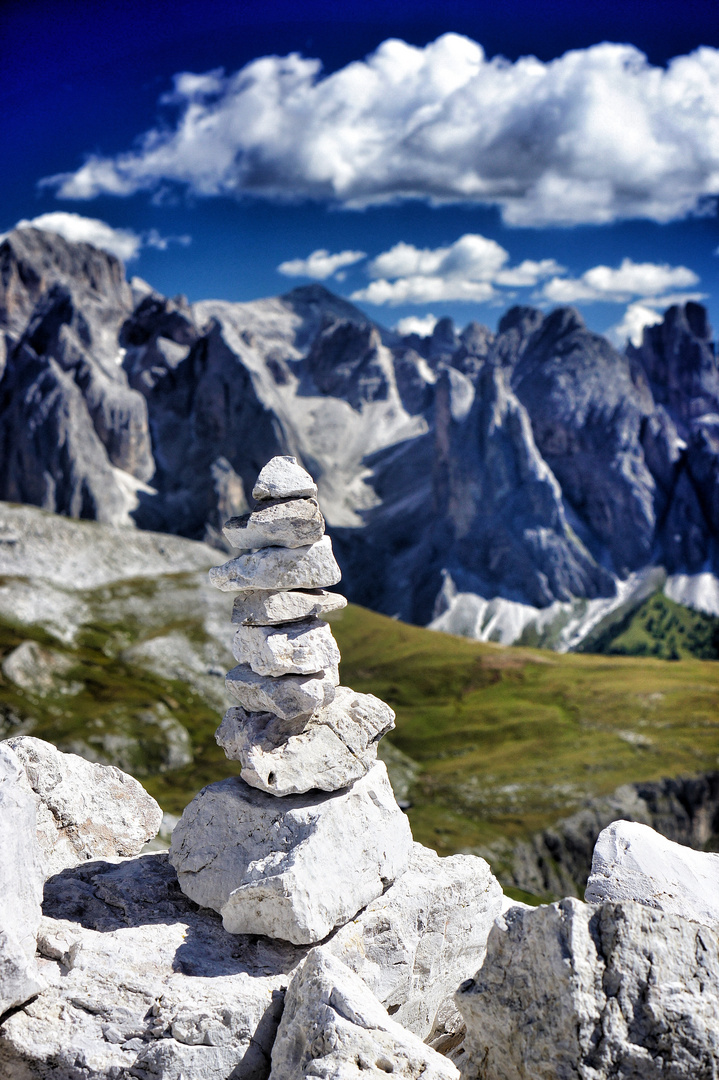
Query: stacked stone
310 832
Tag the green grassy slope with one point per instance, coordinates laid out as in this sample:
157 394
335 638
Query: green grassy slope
509 739
660 628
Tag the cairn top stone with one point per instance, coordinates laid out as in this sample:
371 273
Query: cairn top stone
283 478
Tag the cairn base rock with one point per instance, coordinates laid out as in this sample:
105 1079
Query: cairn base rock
326 752
333 1027
291 868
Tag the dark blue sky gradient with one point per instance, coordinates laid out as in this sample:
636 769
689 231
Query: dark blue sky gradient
81 76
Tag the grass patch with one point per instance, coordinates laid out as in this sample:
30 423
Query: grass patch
660 628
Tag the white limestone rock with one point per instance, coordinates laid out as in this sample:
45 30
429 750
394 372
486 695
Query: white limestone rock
291 868
311 567
142 984
302 648
84 811
575 990
290 523
633 862
288 696
328 751
420 938
21 881
283 478
333 1027
265 607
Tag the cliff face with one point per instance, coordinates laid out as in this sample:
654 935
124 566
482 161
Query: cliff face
535 465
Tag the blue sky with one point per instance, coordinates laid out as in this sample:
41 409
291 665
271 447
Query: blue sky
423 158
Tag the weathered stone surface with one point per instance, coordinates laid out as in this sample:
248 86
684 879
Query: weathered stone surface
291 868
84 811
265 607
328 751
291 523
633 862
311 567
573 990
142 984
333 1026
300 649
283 478
420 938
39 670
287 696
20 885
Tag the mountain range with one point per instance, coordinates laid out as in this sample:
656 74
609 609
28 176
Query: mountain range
533 482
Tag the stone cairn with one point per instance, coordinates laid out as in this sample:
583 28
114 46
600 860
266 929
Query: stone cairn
310 831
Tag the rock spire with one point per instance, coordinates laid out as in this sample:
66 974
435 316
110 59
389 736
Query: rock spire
310 832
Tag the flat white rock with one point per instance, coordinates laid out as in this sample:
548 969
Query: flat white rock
287 696
265 607
335 1028
84 811
633 862
142 984
290 523
283 478
311 567
291 868
416 942
21 881
302 648
593 992
327 751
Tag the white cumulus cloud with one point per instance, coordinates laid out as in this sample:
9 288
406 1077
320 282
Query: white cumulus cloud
596 135
125 243
631 327
320 264
620 284
416 324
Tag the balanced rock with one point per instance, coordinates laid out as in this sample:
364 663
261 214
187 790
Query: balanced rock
299 649
633 862
21 881
291 868
287 696
333 1027
283 478
291 524
84 810
328 751
311 567
424 935
265 607
575 990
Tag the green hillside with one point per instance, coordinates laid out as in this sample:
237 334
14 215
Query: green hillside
660 628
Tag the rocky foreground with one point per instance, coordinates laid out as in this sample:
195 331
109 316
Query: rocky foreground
295 930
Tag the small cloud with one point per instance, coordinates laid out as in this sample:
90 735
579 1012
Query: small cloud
423 290
631 327
414 324
320 264
618 285
529 273
124 243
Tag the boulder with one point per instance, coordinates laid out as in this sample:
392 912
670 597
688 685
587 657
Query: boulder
633 862
287 696
84 811
291 868
596 992
265 607
21 883
333 1026
421 937
328 751
302 648
143 984
283 478
292 523
311 567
